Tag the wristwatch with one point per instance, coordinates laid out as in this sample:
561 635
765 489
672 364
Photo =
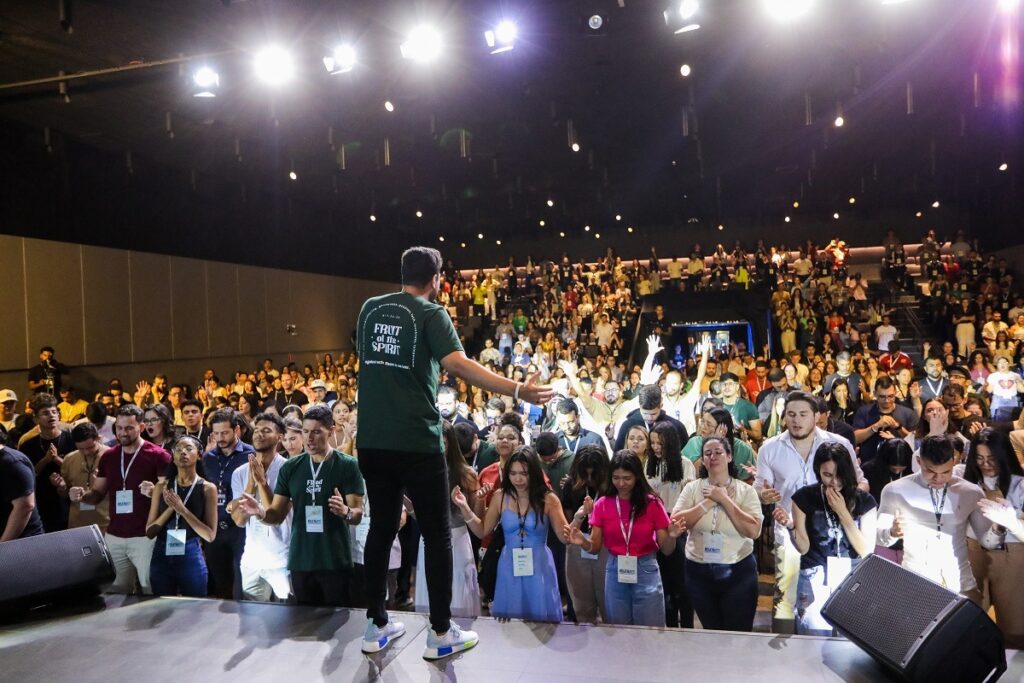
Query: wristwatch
348 515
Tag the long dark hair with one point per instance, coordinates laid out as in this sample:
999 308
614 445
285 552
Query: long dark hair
727 445
831 451
535 474
999 445
458 469
627 460
671 453
591 457
722 416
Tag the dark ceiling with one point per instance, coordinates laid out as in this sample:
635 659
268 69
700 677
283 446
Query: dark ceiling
730 143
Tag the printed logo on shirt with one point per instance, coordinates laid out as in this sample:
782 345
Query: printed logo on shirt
313 486
389 337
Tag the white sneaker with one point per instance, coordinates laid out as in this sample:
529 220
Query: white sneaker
455 640
377 638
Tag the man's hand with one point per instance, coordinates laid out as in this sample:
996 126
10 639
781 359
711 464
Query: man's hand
75 493
654 345
142 390
569 368
769 495
533 393
53 456
251 506
259 475
58 483
146 489
896 531
336 504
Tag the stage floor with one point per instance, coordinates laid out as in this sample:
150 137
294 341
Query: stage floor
210 640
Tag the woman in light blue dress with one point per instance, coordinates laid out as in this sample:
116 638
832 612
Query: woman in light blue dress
527 585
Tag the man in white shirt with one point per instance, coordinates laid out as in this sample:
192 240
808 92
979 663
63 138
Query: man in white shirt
683 407
885 333
930 511
8 408
785 463
604 331
264 563
993 327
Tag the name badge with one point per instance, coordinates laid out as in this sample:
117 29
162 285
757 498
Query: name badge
221 499
123 503
584 554
522 561
175 542
836 569
713 548
314 519
627 568
85 507
362 531
259 528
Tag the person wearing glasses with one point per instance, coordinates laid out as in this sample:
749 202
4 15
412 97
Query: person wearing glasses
884 419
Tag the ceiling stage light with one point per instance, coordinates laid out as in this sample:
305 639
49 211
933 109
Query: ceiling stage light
551 202
542 224
423 44
836 216
787 10
373 219
685 70
787 219
1003 166
419 214
1008 5
206 82
935 204
595 22
503 37
839 122
293 175
274 65
341 60
687 8
575 146
388 106
853 200
618 216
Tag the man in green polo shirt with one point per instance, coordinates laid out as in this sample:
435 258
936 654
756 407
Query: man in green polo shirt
403 339
325 489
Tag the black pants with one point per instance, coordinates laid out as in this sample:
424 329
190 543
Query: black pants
424 478
409 540
724 595
324 588
223 558
678 610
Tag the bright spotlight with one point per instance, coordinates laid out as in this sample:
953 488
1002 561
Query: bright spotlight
586 228
419 214
935 204
595 22
685 70
687 28
479 235
917 215
597 235
721 227
373 219
839 122
498 242
853 200
274 65
423 44
687 8
836 216
293 175
503 37
1008 5
542 223
463 245
618 216
341 60
206 82
787 10
388 106
629 229
787 219
561 234
796 205
441 238
575 146
1003 166
551 202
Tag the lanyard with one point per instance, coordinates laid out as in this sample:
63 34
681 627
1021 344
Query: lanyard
835 529
89 470
125 471
316 475
931 386
575 445
522 522
937 506
625 534
188 495
224 467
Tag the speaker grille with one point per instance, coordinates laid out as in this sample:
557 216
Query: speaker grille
40 564
887 607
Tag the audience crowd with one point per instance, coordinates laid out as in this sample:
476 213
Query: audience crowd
650 491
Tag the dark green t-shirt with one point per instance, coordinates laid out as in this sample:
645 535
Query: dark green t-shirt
743 412
401 338
330 549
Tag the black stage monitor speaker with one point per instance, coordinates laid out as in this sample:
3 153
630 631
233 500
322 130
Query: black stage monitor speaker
53 567
916 628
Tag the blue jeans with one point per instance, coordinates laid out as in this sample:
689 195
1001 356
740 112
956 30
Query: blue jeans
179 574
723 595
638 604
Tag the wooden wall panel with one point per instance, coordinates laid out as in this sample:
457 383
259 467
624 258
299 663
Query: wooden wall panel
14 351
222 293
188 308
108 337
252 308
151 306
53 277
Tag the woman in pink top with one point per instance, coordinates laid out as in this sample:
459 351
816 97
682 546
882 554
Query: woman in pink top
631 522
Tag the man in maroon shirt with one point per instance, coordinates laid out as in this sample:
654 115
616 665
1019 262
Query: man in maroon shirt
129 471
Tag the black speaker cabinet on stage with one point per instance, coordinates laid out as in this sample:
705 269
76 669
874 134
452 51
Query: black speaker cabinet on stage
50 568
916 628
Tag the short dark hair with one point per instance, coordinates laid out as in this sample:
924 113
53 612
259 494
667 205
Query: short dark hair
224 415
650 396
566 406
96 412
42 402
884 382
937 449
131 410
271 417
84 431
464 434
546 444
321 414
193 402
794 396
47 348
420 265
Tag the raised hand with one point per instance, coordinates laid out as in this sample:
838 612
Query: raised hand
654 344
569 368
142 390
533 393
998 512
336 504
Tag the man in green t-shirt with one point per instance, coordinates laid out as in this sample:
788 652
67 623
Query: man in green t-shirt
744 414
402 340
325 489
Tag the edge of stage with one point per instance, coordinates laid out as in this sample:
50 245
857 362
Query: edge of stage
211 640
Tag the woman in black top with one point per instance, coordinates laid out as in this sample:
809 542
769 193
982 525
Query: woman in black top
892 461
584 573
833 524
183 511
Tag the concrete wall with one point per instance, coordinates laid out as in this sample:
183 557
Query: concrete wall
112 312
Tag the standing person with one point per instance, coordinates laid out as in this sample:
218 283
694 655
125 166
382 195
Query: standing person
525 507
224 553
785 464
46 450
18 515
571 436
884 419
584 571
833 525
129 470
930 511
192 416
993 466
47 376
264 563
323 491
668 472
631 521
744 414
181 512
401 339
80 468
724 517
